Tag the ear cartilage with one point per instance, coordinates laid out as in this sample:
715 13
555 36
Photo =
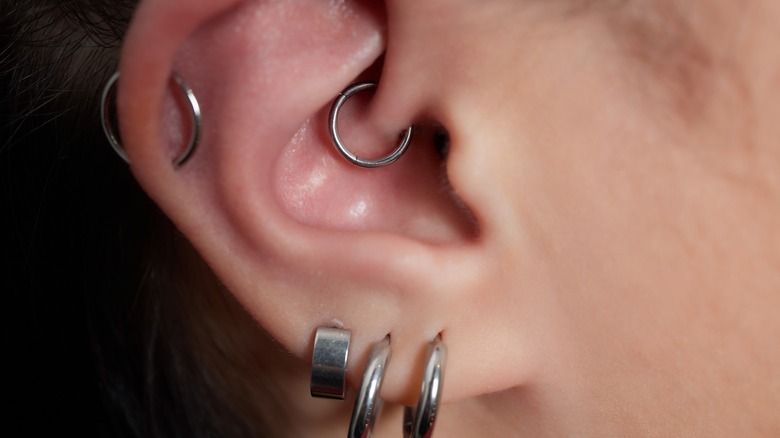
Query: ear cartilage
406 135
329 363
419 422
105 119
367 403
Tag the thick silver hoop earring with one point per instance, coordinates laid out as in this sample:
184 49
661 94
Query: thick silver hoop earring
367 403
419 423
329 363
105 119
343 150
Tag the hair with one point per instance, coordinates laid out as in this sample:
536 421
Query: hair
126 331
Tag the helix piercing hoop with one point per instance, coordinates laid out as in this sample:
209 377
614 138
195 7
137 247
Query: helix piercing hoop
329 363
343 150
108 91
420 424
367 403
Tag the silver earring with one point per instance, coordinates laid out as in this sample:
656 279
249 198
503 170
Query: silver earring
105 119
329 363
419 423
367 403
343 150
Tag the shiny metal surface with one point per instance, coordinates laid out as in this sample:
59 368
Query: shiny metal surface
367 403
343 150
105 119
329 363
418 423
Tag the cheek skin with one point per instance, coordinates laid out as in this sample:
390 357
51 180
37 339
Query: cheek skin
659 269
662 269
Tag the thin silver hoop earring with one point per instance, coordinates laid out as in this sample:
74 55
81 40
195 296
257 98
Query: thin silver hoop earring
367 403
343 150
419 423
105 119
329 363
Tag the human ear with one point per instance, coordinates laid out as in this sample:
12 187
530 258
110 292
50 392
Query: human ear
300 237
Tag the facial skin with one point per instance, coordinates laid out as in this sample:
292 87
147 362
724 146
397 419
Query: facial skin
640 204
617 268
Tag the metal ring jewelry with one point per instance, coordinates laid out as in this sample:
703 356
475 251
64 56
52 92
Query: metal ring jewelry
105 119
343 150
367 403
329 363
420 425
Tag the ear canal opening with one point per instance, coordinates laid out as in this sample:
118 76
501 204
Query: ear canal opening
441 141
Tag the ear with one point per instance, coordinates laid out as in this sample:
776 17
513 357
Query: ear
299 236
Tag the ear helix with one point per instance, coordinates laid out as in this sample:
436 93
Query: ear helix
106 116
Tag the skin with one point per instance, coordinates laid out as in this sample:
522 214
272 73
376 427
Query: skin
598 248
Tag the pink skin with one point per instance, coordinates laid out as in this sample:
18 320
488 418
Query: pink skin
617 270
316 186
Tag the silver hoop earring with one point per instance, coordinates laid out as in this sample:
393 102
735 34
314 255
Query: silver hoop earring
343 150
419 423
367 403
329 363
108 91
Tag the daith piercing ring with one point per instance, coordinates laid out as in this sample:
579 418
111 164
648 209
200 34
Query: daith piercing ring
346 153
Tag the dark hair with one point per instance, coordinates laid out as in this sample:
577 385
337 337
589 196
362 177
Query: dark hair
116 334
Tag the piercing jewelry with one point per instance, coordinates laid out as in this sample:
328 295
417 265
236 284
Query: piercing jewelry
367 403
346 153
329 362
108 91
421 424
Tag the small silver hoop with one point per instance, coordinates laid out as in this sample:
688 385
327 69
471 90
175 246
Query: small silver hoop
346 153
421 424
329 363
114 141
367 403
